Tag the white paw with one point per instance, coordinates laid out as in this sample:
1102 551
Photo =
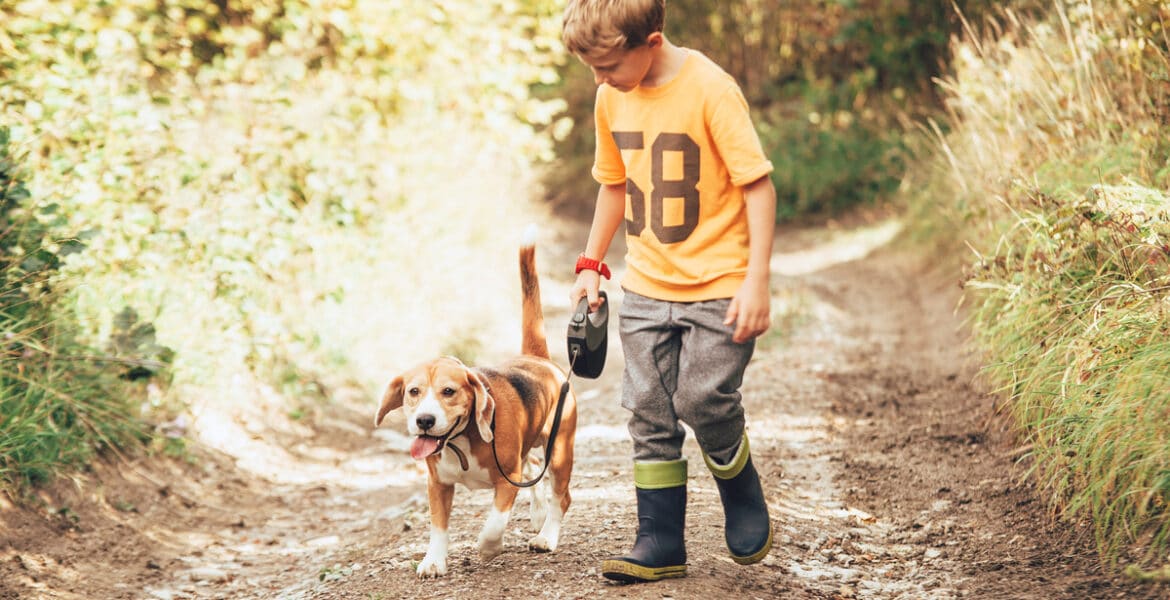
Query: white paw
541 544
490 548
432 567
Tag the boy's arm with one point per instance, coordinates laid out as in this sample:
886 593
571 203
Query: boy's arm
751 307
608 215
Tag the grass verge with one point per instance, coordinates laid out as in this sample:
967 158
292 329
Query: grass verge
1052 170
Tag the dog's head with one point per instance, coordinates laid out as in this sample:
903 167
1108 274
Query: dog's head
441 398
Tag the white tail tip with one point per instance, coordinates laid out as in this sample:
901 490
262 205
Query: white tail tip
530 234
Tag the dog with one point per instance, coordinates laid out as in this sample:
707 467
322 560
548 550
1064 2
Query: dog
458 413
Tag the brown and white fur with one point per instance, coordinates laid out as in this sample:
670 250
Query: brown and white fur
450 404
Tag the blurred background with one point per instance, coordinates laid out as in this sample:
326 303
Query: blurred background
219 218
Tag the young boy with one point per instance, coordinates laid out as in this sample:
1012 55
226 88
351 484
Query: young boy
680 163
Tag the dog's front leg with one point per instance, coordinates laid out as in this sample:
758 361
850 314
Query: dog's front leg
434 564
491 538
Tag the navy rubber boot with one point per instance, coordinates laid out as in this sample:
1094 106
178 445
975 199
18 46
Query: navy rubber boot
747 527
659 550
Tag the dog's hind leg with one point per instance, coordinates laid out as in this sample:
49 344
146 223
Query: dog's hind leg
559 472
538 508
491 537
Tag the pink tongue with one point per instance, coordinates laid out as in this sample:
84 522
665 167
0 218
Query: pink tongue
424 446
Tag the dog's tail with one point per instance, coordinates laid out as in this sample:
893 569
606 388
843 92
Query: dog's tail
534 342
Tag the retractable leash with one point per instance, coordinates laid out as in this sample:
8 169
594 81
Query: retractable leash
587 338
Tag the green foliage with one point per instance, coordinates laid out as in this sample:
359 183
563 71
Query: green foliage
59 405
826 162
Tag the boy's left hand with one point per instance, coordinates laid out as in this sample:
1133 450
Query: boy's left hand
750 310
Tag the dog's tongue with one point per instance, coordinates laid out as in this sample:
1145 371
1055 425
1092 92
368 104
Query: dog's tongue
424 446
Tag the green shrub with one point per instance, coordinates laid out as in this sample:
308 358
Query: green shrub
828 162
60 403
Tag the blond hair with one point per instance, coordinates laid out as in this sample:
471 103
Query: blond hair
596 27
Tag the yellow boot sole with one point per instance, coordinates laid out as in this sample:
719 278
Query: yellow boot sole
758 556
628 572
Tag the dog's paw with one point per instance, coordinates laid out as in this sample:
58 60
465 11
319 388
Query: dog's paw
490 548
431 567
541 545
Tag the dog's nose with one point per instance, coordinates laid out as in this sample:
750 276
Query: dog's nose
425 422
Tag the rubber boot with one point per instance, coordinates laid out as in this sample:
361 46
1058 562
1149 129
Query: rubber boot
659 551
747 528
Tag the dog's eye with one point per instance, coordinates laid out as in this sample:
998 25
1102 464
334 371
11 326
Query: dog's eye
448 391
413 391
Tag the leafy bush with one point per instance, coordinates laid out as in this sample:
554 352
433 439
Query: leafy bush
60 403
829 158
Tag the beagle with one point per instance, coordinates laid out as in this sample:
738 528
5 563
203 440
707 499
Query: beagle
457 413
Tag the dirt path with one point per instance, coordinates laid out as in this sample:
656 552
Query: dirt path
887 474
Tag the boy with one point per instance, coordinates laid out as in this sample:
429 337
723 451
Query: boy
675 137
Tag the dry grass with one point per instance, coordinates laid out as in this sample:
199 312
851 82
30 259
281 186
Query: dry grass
1050 164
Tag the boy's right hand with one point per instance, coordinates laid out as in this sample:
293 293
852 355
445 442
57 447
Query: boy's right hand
588 284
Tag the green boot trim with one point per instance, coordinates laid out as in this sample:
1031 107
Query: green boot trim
733 468
629 572
660 474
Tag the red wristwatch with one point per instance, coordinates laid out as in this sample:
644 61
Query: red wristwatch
585 263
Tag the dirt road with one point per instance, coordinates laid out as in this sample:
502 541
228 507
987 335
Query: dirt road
887 472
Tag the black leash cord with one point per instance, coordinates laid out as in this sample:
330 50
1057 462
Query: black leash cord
552 436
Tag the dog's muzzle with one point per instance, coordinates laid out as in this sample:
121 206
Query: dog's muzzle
426 445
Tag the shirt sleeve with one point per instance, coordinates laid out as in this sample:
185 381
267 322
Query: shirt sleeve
608 168
735 138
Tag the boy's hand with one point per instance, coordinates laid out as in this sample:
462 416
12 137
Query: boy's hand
750 310
588 283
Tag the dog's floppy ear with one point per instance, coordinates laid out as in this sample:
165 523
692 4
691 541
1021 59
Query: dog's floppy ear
485 405
391 400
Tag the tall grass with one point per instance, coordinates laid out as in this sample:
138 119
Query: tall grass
1052 167
59 404
58 407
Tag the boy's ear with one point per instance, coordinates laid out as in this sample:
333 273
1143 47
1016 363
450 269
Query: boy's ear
654 40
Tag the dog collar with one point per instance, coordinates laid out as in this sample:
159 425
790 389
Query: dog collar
458 453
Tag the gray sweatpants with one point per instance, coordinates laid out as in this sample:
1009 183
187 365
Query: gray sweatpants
681 364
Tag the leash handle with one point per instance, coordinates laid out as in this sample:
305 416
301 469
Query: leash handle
552 436
586 338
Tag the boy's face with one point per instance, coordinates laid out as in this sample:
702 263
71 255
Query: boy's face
621 68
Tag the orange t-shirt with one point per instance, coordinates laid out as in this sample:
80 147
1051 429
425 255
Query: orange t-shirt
684 150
